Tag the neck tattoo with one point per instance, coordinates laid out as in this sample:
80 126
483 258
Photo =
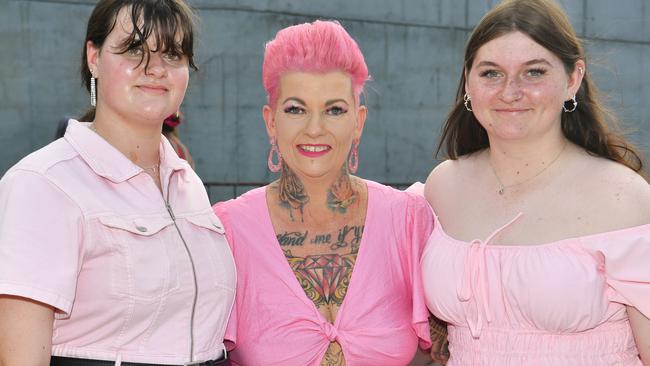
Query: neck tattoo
293 196
341 194
291 192
502 188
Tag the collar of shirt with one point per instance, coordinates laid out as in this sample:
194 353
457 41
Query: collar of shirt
108 162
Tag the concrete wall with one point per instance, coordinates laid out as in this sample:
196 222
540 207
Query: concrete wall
413 49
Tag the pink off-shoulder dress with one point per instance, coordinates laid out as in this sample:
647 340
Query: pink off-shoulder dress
560 303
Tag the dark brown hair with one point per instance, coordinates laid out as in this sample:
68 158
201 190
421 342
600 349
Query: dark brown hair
544 22
164 19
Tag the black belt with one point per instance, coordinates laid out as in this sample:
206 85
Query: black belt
70 361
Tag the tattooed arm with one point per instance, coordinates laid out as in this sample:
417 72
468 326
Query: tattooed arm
439 348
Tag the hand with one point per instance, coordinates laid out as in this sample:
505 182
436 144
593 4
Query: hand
440 351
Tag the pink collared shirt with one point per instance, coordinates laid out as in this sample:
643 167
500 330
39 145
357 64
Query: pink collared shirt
134 275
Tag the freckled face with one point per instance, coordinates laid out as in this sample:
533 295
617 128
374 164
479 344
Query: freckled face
518 87
315 120
129 91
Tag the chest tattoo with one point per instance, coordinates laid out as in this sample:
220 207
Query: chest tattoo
293 238
333 356
348 236
324 277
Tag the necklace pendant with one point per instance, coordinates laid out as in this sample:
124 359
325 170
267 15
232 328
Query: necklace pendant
501 190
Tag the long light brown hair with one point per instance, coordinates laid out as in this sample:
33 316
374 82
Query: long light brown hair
545 22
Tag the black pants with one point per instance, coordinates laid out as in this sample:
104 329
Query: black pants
69 361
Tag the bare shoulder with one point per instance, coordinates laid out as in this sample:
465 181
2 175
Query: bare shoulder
626 193
447 177
439 178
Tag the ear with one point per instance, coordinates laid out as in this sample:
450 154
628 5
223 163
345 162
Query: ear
92 54
575 78
362 113
269 120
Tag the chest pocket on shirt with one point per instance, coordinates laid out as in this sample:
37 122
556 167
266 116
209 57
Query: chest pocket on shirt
212 241
141 267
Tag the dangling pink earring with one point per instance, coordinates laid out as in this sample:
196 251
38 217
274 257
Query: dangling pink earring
353 158
274 167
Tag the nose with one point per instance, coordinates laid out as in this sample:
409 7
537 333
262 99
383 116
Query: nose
511 91
314 125
155 65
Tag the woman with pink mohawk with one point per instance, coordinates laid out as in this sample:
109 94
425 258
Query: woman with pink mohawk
327 262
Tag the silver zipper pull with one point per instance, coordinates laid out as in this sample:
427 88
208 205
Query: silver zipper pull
169 209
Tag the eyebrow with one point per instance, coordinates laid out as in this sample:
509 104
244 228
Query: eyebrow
295 99
527 63
327 103
332 101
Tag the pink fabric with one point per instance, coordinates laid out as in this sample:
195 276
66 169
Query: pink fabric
383 314
86 231
561 303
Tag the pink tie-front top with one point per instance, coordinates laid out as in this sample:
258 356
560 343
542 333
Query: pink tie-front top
560 303
383 315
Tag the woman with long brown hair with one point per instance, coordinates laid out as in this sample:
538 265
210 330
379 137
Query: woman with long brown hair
540 250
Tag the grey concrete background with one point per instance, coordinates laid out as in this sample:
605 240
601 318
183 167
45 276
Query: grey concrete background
413 49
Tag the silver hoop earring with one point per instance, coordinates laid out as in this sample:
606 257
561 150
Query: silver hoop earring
93 92
573 104
466 101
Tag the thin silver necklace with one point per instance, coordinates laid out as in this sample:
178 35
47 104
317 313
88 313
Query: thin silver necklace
502 188
154 169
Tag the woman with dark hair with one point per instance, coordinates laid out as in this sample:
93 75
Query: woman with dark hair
541 242
327 262
109 250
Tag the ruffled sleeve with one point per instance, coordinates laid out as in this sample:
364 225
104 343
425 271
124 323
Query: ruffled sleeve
419 223
625 257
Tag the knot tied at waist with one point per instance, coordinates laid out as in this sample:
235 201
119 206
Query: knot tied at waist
330 331
473 288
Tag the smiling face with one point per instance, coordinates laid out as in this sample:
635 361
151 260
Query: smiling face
315 120
518 87
130 88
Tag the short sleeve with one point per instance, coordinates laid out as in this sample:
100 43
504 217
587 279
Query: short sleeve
416 188
419 222
40 234
626 261
230 337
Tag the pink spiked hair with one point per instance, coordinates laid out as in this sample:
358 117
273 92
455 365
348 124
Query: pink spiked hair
321 46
